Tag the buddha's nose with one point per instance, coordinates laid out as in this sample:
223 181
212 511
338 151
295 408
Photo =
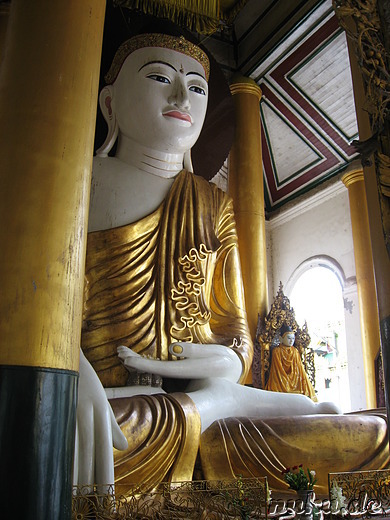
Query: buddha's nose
179 95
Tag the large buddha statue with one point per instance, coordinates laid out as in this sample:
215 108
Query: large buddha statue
163 295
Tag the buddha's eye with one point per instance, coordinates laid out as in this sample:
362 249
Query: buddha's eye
198 90
158 77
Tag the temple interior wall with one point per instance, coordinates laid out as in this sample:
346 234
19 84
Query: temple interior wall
311 230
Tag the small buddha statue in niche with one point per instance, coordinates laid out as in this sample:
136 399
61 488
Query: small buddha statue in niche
163 291
287 373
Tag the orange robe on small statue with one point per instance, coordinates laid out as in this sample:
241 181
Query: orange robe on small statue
287 373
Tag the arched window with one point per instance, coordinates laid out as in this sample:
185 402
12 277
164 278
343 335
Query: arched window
316 294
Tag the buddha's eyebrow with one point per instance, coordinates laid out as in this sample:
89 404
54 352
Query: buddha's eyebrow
196 74
162 63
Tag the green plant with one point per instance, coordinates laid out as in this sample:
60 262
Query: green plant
298 479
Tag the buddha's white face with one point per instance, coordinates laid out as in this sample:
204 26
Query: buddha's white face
160 99
288 339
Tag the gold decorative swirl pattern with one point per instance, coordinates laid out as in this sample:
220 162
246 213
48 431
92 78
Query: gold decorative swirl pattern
188 296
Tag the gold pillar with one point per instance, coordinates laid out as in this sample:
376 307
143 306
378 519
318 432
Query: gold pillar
247 190
48 98
369 320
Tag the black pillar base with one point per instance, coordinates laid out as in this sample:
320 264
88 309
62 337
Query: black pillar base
37 427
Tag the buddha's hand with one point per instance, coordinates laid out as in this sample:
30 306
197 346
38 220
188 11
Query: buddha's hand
125 353
197 361
96 431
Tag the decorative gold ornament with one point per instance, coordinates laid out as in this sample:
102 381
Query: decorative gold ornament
165 41
371 54
360 493
193 500
351 494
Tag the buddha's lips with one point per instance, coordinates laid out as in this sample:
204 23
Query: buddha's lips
178 115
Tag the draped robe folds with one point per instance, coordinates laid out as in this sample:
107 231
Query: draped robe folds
287 373
254 447
172 276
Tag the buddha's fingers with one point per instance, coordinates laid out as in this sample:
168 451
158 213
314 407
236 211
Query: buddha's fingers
119 441
126 352
104 464
85 447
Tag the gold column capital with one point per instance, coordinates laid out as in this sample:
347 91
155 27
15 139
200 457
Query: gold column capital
350 177
244 85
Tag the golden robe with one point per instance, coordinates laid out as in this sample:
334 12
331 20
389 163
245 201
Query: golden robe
287 373
172 276
265 447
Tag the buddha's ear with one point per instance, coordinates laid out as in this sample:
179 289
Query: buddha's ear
107 108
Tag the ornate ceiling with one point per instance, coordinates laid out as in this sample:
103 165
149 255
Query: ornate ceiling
307 110
297 54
